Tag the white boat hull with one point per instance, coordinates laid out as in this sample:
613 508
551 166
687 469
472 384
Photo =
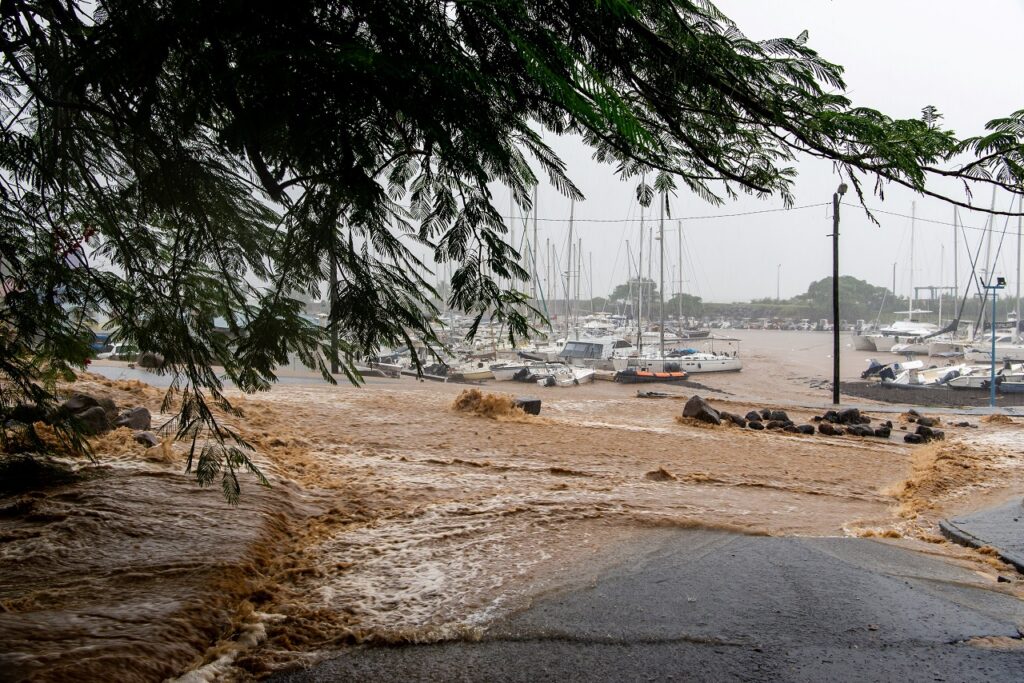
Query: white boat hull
864 342
696 364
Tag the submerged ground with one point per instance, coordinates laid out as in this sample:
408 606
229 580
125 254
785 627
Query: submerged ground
393 517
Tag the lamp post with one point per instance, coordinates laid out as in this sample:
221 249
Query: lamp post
840 191
993 288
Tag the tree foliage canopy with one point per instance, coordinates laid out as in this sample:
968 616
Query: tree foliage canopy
221 156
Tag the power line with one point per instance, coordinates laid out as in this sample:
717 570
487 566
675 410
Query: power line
684 218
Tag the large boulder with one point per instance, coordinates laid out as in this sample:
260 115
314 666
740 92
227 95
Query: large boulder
753 416
778 416
848 416
928 421
860 430
136 418
109 407
913 438
883 432
806 429
755 425
78 403
699 409
93 420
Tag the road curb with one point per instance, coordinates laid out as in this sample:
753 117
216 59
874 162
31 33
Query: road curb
959 535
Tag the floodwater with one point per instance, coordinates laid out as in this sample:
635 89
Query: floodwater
393 516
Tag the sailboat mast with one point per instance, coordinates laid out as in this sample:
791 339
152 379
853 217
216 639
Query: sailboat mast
579 278
956 269
568 274
661 279
1016 324
942 263
640 285
913 214
533 251
679 225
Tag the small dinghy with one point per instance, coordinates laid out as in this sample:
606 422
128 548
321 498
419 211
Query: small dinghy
633 376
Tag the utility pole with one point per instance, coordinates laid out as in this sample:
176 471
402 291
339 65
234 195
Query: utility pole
835 291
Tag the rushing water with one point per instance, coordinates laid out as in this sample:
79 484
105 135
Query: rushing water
393 517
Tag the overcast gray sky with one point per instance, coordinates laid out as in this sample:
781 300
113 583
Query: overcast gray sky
963 57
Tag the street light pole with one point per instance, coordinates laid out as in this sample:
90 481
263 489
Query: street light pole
840 191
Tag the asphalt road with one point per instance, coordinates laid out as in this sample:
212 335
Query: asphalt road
711 606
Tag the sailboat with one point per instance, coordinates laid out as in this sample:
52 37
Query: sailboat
680 362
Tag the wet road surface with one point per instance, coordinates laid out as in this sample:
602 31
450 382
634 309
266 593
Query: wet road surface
709 605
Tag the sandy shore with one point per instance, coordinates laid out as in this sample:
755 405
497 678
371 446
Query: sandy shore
394 517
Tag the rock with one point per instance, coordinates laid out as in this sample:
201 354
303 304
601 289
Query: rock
805 429
766 413
27 414
817 418
860 430
136 418
1002 579
753 416
888 423
147 439
529 404
779 416
149 359
755 425
733 418
928 421
108 406
831 416
883 432
775 424
864 419
78 403
93 420
913 412
791 428
849 416
930 434
913 438
829 429
699 409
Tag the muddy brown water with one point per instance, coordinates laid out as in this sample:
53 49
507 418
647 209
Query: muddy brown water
393 517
